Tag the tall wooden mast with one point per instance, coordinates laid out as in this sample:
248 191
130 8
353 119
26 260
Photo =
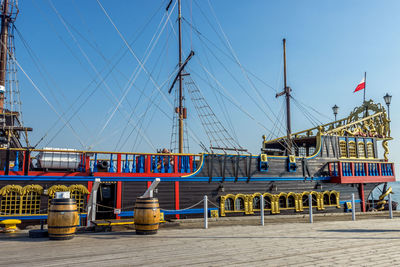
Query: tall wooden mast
286 92
5 20
180 110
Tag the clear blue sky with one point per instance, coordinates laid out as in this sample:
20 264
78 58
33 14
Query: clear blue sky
329 46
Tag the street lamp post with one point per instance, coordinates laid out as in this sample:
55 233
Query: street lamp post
388 99
335 110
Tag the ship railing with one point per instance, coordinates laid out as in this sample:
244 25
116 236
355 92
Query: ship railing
18 159
143 163
360 169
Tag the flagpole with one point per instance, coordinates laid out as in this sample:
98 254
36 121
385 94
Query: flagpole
365 86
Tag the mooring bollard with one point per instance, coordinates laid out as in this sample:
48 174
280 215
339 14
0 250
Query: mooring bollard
262 209
205 212
353 207
310 207
390 206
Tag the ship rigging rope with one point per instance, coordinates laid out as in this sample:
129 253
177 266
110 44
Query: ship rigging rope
138 34
231 99
140 63
88 60
133 53
230 48
313 109
45 98
234 101
270 135
245 72
220 100
312 119
137 70
40 68
110 71
225 115
149 105
215 131
98 74
237 59
204 40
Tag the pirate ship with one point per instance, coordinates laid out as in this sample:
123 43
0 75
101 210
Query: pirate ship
330 162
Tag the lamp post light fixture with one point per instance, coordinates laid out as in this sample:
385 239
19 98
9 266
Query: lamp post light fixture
388 99
335 110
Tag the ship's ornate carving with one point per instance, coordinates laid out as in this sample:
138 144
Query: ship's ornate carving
368 120
386 148
11 188
32 188
79 188
57 188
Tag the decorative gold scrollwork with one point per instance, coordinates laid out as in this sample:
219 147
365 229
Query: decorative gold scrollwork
277 202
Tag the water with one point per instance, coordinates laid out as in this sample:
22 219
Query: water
395 189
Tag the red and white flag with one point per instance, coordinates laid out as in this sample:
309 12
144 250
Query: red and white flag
360 86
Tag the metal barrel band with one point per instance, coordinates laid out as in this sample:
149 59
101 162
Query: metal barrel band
63 210
144 224
146 202
55 227
147 208
61 234
62 203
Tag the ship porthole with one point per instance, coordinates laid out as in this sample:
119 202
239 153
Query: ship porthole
267 203
291 201
256 203
229 204
326 199
305 200
333 199
282 202
239 204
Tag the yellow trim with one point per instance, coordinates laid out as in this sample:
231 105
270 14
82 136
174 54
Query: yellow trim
114 223
198 168
274 201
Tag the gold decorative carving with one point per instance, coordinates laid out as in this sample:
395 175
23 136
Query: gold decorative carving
214 213
56 188
80 188
32 188
274 199
368 120
386 148
11 188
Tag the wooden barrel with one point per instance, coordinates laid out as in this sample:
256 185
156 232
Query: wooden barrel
147 216
62 219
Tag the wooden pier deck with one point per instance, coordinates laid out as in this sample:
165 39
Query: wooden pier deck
326 243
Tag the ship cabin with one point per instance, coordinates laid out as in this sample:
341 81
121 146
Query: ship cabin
349 146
